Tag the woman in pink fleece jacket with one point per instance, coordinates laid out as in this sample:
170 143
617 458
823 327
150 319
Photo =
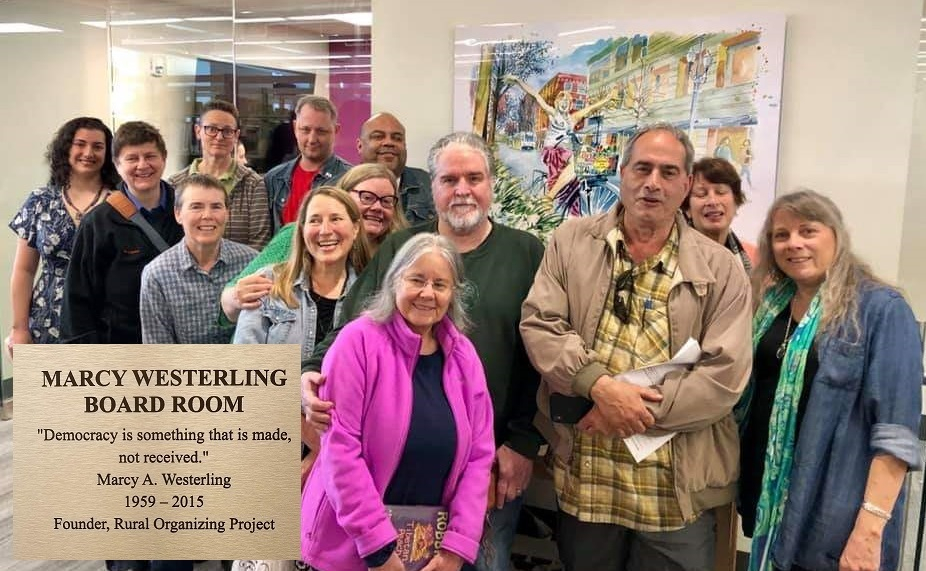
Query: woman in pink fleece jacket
412 423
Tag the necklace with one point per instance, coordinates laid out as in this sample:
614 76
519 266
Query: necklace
326 292
780 353
78 212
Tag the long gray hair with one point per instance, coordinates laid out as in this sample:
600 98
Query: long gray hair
845 276
382 306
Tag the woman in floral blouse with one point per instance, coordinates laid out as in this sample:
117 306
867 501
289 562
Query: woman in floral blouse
81 176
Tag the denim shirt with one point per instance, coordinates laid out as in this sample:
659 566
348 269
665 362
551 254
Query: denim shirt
278 181
276 323
864 400
415 195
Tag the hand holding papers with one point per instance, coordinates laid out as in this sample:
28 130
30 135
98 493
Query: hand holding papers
642 445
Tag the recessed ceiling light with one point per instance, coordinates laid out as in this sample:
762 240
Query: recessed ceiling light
334 41
147 22
23 28
291 58
258 20
209 19
311 18
355 18
150 42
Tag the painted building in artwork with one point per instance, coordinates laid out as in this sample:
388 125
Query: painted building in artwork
709 78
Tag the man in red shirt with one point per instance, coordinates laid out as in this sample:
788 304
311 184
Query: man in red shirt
316 126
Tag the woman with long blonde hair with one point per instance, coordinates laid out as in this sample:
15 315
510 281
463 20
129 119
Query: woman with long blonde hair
329 248
374 190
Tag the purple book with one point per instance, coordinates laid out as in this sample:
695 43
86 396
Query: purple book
421 529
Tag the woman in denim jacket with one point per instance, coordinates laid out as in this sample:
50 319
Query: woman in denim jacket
329 249
374 190
833 406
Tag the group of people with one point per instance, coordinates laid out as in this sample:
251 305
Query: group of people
418 312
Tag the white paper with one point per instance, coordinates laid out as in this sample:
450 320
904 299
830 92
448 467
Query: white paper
642 445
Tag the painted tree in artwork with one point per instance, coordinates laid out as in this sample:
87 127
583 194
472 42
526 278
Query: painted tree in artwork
638 94
519 58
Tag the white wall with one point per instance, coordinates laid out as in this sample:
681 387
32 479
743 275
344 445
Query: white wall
912 259
847 99
165 102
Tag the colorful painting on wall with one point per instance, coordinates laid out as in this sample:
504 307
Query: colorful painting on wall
560 100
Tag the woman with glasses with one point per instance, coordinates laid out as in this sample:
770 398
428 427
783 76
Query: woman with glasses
404 364
374 189
248 209
81 176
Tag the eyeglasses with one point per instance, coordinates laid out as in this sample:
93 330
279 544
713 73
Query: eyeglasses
213 131
368 198
623 291
417 284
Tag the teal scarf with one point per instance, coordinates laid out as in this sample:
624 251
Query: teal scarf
779 454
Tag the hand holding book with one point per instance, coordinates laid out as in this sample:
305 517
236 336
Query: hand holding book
391 564
420 529
444 561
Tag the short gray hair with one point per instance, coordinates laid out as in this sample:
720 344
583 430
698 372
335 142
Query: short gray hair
679 135
201 180
318 103
382 306
465 139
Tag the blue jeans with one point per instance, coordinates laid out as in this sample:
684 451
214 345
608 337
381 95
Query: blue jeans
499 537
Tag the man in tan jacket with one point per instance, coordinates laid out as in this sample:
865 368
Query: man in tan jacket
616 292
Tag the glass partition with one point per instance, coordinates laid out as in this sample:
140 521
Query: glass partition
169 59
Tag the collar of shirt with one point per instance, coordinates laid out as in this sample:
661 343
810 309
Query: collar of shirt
227 179
665 261
162 203
190 263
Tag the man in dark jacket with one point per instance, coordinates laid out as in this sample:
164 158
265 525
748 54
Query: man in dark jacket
382 140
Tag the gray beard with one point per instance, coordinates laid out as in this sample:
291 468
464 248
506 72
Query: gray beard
464 224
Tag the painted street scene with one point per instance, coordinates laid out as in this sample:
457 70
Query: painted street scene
559 102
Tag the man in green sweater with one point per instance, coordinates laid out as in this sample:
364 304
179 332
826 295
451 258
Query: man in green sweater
499 264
